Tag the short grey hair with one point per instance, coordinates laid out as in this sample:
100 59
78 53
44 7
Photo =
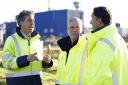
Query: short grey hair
76 19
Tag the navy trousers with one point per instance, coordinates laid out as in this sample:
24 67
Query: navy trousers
25 80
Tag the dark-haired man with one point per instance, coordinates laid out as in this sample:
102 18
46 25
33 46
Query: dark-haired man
107 57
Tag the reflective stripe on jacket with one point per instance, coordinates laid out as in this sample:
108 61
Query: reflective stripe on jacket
15 52
68 72
107 58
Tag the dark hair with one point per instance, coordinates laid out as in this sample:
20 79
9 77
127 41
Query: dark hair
103 13
21 16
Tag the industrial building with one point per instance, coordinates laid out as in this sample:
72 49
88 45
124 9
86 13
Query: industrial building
49 23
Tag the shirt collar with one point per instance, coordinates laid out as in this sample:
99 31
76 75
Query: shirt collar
25 36
97 29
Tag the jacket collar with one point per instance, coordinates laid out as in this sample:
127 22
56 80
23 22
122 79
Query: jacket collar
65 43
105 31
97 29
34 33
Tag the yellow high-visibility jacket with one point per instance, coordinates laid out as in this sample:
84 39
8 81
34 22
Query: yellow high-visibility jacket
15 52
107 58
68 68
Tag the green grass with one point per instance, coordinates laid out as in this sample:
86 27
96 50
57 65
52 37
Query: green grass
2 76
48 77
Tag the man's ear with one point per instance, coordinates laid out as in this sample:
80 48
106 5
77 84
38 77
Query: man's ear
99 21
20 23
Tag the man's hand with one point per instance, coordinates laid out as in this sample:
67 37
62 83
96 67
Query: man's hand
32 57
47 58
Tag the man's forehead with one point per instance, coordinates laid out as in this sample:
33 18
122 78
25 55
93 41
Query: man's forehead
74 23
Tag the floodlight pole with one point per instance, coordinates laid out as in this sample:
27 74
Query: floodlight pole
49 5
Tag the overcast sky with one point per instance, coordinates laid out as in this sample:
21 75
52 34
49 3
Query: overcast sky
10 8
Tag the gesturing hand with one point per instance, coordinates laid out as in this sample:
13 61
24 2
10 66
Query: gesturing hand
32 57
47 59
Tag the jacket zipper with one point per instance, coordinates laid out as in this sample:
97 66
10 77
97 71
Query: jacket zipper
29 54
